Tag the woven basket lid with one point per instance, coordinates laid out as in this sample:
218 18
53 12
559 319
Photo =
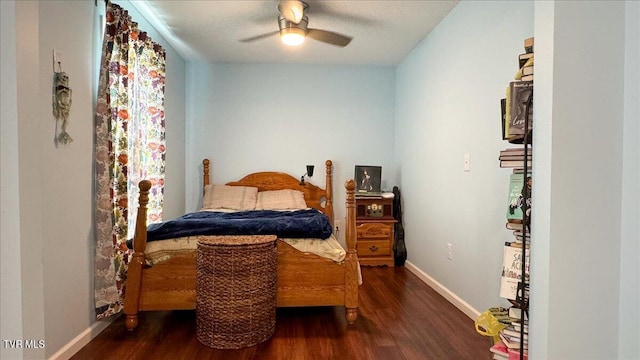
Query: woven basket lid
235 240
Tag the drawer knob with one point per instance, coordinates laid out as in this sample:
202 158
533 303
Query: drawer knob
373 248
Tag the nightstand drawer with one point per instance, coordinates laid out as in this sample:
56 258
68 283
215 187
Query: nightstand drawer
374 248
374 231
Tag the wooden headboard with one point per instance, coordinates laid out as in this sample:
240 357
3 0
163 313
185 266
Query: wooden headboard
314 196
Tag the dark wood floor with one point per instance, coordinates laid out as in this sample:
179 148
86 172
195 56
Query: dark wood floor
400 317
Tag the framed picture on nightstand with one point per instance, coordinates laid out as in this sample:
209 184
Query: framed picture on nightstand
368 180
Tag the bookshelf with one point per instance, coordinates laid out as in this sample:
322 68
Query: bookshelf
517 130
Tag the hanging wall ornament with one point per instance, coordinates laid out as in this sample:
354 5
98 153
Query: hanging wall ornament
61 105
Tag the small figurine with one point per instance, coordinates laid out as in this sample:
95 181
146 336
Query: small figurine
62 104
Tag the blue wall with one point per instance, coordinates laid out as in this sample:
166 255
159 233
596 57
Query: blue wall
277 117
448 105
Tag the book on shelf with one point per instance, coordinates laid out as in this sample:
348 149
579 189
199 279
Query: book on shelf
518 245
526 69
502 315
516 151
522 293
507 113
515 354
514 225
516 325
517 234
509 340
528 45
512 332
499 349
516 313
520 170
527 78
514 164
520 92
516 199
515 157
503 118
522 59
512 271
511 343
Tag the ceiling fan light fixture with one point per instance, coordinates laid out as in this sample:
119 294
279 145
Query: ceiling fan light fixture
293 32
292 36
296 12
293 10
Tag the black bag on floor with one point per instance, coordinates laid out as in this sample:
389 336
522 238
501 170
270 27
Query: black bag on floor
399 248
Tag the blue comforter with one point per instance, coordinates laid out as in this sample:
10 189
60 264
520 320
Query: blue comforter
309 223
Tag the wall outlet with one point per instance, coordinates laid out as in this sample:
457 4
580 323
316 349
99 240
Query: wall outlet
449 251
338 225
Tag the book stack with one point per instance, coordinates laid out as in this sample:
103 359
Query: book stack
508 344
520 238
516 290
525 61
512 336
514 158
519 98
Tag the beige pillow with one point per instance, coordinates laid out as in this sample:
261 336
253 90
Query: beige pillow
280 200
229 197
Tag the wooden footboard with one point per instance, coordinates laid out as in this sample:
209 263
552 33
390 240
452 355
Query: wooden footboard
303 279
308 280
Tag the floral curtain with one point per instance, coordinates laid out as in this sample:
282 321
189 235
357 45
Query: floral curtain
130 146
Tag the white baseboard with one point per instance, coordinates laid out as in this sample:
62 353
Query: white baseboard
67 351
467 309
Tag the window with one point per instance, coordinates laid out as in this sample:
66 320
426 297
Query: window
130 147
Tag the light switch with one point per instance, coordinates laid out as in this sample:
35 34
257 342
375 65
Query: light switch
467 167
57 61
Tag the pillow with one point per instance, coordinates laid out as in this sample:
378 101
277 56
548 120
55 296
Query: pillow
281 200
229 197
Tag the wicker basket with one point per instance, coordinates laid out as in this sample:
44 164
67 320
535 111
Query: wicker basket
235 290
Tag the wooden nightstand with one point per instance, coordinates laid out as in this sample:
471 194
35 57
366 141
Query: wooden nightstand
374 230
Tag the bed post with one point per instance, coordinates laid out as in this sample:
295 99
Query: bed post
134 272
351 260
205 174
329 191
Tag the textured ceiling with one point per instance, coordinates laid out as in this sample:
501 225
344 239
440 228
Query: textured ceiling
384 32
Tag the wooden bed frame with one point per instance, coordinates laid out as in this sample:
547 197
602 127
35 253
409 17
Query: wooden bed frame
303 279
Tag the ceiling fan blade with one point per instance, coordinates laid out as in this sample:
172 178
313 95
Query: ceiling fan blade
262 36
329 37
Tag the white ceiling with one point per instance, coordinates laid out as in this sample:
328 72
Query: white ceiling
384 32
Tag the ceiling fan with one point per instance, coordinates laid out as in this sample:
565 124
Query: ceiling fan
293 23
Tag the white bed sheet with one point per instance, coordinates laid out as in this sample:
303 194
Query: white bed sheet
162 250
